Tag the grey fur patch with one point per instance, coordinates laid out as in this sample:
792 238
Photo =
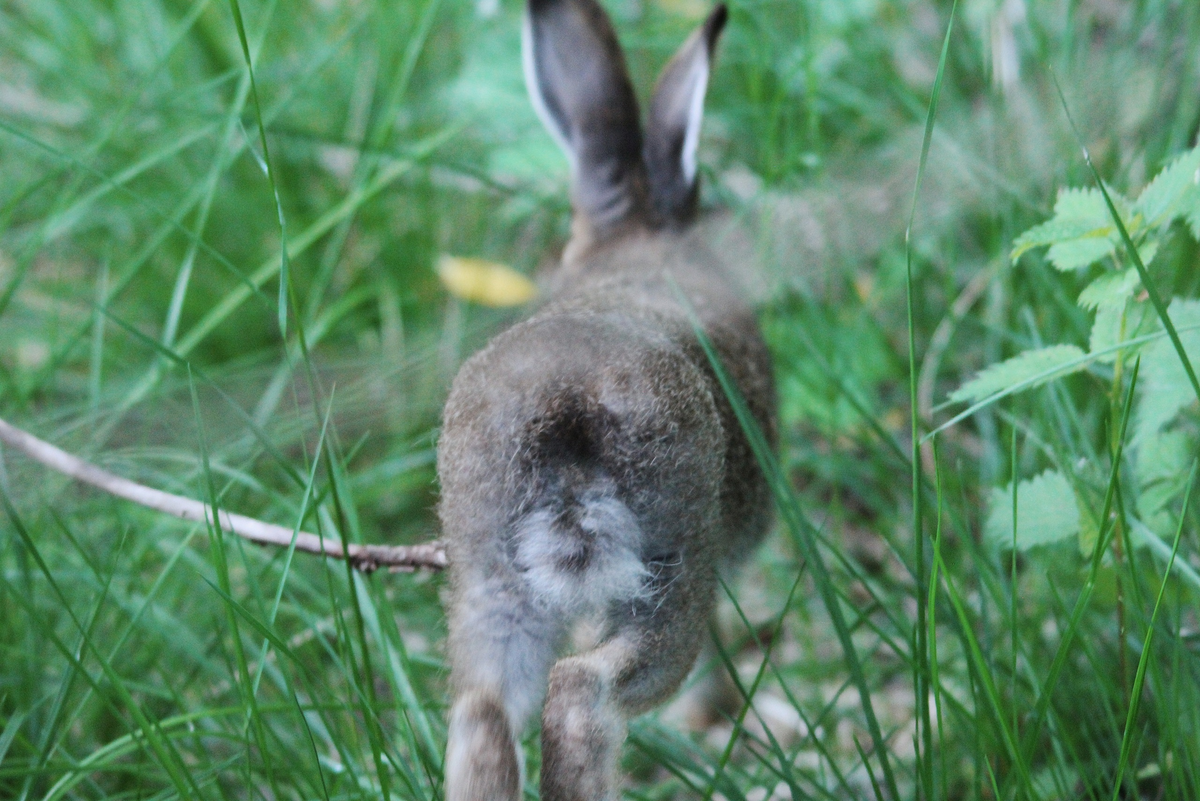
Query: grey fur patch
582 559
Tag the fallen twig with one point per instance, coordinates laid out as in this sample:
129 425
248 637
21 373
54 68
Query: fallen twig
366 558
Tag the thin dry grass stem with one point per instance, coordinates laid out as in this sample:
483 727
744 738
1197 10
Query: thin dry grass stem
366 558
937 348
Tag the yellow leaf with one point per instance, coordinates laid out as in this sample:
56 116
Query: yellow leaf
486 282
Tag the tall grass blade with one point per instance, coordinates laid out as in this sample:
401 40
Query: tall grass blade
747 693
924 750
1135 697
1038 719
805 538
216 536
167 757
236 8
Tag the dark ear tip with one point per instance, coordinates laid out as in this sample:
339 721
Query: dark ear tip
715 24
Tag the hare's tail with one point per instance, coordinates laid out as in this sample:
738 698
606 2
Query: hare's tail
581 554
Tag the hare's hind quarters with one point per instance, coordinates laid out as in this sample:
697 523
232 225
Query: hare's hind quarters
592 469
582 466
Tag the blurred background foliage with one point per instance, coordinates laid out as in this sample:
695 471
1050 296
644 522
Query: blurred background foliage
140 261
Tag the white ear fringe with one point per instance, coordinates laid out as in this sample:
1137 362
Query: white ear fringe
534 87
695 116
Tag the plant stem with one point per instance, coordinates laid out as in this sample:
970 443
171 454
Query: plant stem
1118 529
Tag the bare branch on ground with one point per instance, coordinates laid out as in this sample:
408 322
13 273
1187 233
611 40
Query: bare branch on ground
366 558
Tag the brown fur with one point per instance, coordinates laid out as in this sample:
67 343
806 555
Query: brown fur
592 467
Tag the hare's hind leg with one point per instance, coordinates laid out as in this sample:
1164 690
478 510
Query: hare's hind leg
501 647
591 695
482 756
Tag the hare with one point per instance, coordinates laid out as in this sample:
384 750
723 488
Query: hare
593 473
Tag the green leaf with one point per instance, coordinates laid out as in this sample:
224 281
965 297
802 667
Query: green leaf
1190 208
1106 330
1148 250
1162 200
1044 364
1058 230
1046 513
1166 454
1075 254
1081 232
1165 388
1110 290
1082 204
1161 471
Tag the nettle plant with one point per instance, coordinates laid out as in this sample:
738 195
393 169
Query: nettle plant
1161 438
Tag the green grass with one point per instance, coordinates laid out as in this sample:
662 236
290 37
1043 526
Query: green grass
149 178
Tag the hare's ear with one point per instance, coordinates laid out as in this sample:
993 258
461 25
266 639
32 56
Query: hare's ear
673 127
576 78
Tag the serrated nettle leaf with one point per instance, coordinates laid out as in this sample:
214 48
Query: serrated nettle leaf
1164 454
1088 204
1075 254
1138 319
1190 209
1082 230
1060 230
1161 471
1106 331
1084 203
1164 386
1163 198
1046 513
1160 521
1148 250
1110 289
1043 364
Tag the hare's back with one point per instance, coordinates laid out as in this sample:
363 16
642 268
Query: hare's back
678 301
